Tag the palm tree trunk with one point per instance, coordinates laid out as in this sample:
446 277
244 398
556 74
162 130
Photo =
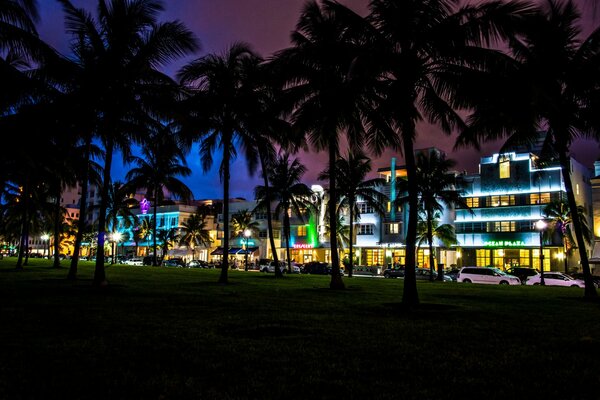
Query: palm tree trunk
24 237
99 272
410 296
565 258
351 255
336 279
265 175
286 224
57 229
225 262
430 241
590 289
154 232
82 211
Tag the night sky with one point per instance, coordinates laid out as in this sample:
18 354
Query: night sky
266 25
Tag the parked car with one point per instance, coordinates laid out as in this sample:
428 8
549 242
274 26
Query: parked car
316 268
595 278
394 272
523 273
452 274
134 261
425 274
271 267
197 264
556 279
173 262
148 260
490 276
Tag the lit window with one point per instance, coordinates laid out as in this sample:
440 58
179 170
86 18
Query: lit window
472 202
365 229
577 189
302 231
539 198
504 166
392 228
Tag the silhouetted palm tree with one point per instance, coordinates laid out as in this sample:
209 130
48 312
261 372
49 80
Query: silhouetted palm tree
289 194
422 49
163 161
550 80
220 107
354 188
427 231
119 52
558 215
195 233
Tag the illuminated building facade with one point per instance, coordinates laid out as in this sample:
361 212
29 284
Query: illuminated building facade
506 198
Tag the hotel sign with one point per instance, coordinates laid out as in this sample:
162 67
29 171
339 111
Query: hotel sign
303 246
504 243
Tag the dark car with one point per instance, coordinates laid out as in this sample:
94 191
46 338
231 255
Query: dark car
595 278
453 274
523 273
173 262
197 264
148 260
394 272
316 268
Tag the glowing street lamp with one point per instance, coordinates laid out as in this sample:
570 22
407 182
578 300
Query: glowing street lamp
540 225
247 234
115 237
46 238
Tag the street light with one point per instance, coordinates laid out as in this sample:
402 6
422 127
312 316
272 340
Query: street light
115 237
540 225
247 234
46 238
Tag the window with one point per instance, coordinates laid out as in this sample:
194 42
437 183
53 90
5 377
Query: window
302 230
472 202
504 167
483 257
365 208
503 200
364 229
539 198
502 226
392 229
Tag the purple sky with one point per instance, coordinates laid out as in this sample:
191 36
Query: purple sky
266 24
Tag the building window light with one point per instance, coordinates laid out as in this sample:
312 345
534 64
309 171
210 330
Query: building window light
504 167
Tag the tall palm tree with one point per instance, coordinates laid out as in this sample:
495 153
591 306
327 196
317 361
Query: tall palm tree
142 232
342 232
352 172
437 188
427 231
558 215
119 212
290 195
327 93
119 52
241 222
194 232
162 162
221 104
422 48
550 80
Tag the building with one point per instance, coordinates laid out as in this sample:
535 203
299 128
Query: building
506 199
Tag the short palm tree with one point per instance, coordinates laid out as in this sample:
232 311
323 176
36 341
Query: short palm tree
550 80
352 172
558 215
222 101
289 194
157 170
194 233
241 222
167 238
429 230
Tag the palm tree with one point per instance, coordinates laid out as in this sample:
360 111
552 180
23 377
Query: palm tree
558 215
163 161
342 232
422 47
288 192
119 53
427 231
220 107
328 93
195 233
119 212
437 188
142 232
549 80
354 187
241 222
166 238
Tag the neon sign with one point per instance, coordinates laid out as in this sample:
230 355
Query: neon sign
144 206
303 246
504 243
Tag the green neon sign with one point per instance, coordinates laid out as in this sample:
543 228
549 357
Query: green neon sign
504 243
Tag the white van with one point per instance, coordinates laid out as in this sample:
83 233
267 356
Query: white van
490 276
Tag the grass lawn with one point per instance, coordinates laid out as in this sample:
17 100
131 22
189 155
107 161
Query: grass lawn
158 333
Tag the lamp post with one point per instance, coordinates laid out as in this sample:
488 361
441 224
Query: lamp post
247 234
46 238
540 225
116 237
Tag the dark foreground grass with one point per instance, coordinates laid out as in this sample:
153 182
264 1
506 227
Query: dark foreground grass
158 333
